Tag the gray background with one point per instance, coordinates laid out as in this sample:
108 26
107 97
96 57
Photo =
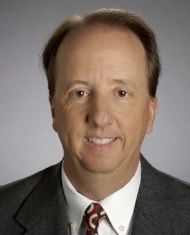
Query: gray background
27 141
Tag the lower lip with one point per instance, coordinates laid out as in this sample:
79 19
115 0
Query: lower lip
99 147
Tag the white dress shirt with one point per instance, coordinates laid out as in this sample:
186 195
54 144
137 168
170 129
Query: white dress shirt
118 206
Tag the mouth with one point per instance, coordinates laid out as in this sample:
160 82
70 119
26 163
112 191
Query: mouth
100 141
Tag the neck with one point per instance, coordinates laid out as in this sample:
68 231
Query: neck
97 186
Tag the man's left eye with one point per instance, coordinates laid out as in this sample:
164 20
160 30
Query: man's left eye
122 93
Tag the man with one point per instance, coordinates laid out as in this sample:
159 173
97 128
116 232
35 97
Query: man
102 73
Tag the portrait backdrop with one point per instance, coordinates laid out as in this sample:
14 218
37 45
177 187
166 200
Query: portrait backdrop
27 140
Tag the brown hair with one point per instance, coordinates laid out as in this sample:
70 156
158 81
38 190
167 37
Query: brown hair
113 17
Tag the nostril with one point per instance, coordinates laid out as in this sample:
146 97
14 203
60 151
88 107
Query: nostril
100 119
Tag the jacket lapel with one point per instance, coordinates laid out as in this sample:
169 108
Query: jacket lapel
143 226
44 212
149 204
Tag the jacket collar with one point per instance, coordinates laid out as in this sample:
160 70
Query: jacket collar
44 212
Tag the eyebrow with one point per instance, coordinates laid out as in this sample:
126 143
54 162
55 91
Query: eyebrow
123 82
78 81
113 81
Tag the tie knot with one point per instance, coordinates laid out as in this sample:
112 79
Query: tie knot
93 215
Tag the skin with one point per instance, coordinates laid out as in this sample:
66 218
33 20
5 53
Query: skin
101 97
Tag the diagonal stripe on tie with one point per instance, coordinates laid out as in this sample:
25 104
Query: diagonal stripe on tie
94 214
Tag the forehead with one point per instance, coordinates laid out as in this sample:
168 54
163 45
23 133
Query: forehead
101 51
96 37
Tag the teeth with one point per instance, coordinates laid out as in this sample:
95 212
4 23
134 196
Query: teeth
100 141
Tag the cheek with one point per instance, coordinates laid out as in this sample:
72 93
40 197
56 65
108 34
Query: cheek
60 119
65 128
133 121
68 122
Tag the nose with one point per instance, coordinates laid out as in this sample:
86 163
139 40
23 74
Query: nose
100 113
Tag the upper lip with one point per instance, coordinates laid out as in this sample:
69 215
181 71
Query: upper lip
100 137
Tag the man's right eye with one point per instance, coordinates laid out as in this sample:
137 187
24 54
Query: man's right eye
78 93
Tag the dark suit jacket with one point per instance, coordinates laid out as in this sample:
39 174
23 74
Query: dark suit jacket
36 205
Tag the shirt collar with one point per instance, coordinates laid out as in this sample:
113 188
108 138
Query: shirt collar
119 206
76 202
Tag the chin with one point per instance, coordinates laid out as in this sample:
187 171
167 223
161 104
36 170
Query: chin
103 165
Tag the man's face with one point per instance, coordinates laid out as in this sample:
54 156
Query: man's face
101 108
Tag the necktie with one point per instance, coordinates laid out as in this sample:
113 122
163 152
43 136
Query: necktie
93 216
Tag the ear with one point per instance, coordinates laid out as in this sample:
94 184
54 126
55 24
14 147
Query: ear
52 106
153 105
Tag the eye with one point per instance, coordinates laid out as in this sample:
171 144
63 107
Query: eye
122 93
79 93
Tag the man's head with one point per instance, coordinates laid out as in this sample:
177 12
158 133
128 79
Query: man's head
114 18
102 93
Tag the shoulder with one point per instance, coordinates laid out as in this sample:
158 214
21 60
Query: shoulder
165 181
164 185
12 195
165 196
175 192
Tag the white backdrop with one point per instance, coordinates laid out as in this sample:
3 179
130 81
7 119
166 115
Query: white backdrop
27 141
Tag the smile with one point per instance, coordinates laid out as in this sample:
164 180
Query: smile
99 141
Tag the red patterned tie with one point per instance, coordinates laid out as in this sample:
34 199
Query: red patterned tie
93 216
